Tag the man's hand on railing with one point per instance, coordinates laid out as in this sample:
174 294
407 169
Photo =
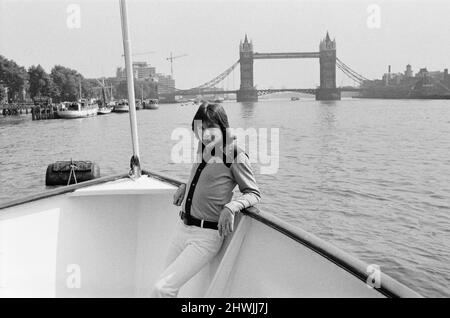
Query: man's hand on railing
179 194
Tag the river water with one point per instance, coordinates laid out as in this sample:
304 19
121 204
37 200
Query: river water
371 177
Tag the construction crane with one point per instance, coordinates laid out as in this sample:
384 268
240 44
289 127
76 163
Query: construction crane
171 58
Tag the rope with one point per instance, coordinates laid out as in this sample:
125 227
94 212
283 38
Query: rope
134 163
72 171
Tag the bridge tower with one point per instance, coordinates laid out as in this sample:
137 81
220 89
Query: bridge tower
247 92
327 60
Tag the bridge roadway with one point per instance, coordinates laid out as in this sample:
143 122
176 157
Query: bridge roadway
292 55
311 91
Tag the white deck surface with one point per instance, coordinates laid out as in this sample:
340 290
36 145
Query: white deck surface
112 239
143 185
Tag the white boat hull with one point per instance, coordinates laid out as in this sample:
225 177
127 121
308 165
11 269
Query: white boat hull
70 114
104 111
111 239
152 106
121 109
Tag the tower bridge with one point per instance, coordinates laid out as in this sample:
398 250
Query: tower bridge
247 91
327 61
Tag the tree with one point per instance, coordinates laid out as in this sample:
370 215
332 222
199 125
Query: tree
87 87
2 93
40 82
67 82
13 76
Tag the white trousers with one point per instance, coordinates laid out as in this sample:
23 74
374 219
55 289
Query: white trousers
190 249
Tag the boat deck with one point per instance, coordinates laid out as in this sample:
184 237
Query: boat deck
110 240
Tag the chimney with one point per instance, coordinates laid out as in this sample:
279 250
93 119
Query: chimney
388 75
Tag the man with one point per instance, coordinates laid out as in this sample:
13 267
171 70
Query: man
207 214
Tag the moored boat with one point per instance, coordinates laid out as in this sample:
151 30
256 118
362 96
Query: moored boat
105 110
122 107
80 109
151 104
138 104
104 107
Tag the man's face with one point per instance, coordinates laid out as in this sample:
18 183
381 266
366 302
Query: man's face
210 133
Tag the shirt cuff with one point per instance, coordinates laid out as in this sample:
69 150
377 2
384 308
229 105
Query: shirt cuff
233 207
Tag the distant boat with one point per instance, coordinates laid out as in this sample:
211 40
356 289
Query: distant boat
295 98
80 109
105 110
151 104
122 107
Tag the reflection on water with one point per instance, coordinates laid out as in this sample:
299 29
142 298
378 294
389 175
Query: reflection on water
247 109
368 176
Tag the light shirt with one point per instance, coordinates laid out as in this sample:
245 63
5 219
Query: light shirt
214 188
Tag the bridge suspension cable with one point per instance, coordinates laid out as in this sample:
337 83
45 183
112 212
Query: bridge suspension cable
350 75
208 84
355 76
218 78
349 72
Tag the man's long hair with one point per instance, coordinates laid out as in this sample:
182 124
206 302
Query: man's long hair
213 114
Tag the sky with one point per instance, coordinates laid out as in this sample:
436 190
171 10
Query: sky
209 31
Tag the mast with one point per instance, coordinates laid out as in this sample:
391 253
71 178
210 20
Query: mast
104 96
79 85
136 170
104 92
171 64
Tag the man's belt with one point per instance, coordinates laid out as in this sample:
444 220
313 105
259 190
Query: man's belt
190 220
